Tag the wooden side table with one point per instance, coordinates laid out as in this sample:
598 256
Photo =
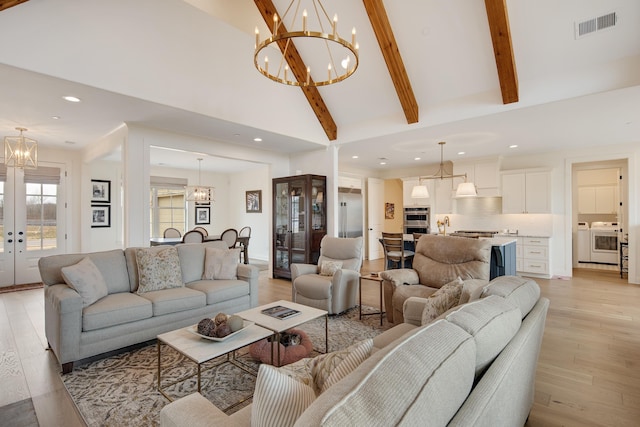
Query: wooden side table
372 278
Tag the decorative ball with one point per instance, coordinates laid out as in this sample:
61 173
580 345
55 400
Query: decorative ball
207 327
235 323
220 318
223 330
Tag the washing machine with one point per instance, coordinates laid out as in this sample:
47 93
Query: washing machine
584 242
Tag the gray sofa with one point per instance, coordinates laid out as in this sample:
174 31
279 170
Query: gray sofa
473 366
123 317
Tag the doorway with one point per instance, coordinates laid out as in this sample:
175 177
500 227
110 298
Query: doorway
600 212
31 221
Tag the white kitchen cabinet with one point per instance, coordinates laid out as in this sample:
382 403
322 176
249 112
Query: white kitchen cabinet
532 256
526 192
485 174
598 199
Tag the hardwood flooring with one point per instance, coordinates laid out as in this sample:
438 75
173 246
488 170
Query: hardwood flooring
588 371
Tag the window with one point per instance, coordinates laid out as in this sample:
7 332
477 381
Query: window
42 222
168 207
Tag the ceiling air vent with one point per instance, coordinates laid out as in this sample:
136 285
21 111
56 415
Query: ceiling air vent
592 25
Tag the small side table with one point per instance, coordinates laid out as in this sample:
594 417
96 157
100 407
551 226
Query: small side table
372 278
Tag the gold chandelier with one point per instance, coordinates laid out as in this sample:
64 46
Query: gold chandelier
199 193
465 189
20 151
324 30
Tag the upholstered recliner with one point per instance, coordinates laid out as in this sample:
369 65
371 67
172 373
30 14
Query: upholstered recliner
313 285
438 260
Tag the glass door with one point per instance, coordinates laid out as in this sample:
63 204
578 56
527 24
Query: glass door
298 215
31 213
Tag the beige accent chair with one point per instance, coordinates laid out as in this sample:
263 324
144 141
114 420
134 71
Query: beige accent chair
335 293
437 261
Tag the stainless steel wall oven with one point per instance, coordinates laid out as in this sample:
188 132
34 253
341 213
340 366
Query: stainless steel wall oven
416 219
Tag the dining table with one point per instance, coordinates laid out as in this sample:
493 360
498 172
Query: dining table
243 240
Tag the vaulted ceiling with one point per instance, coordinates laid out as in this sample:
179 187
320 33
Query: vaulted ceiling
480 74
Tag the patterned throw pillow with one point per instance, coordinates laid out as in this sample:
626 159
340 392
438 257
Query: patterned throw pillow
278 399
329 268
158 269
328 369
221 264
87 280
442 300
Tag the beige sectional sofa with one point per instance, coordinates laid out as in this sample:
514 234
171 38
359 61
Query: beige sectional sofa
124 317
473 366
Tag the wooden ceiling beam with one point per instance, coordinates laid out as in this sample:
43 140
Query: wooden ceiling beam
503 49
384 33
299 69
6 4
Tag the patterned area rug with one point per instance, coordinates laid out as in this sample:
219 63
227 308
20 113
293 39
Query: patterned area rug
122 389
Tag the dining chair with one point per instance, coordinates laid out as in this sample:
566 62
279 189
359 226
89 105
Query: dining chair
394 251
203 230
192 236
230 236
171 232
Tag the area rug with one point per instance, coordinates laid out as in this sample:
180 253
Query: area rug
122 389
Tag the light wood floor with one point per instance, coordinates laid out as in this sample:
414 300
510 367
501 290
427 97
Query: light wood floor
588 370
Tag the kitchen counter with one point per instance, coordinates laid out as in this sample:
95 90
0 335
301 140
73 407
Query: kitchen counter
500 240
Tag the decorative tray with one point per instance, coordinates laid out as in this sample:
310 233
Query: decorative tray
194 330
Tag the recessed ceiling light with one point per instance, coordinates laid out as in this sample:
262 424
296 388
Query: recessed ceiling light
257 139
513 146
71 98
383 163
354 157
55 117
460 153
416 158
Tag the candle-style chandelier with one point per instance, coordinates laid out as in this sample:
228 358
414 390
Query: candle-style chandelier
316 33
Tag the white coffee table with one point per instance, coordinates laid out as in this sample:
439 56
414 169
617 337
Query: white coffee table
201 350
280 325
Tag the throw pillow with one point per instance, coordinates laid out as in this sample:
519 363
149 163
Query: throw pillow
87 280
442 300
278 399
221 264
329 268
323 366
358 355
158 269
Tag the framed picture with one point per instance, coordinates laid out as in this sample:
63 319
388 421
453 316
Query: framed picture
254 201
389 210
203 215
100 216
100 191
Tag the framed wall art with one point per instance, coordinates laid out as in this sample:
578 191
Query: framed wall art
100 216
100 191
389 210
203 214
253 201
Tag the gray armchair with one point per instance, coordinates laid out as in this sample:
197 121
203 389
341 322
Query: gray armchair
437 261
334 293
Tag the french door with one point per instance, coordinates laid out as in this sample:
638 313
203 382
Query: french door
31 221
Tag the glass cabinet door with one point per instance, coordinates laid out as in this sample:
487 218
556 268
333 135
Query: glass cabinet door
298 199
282 226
